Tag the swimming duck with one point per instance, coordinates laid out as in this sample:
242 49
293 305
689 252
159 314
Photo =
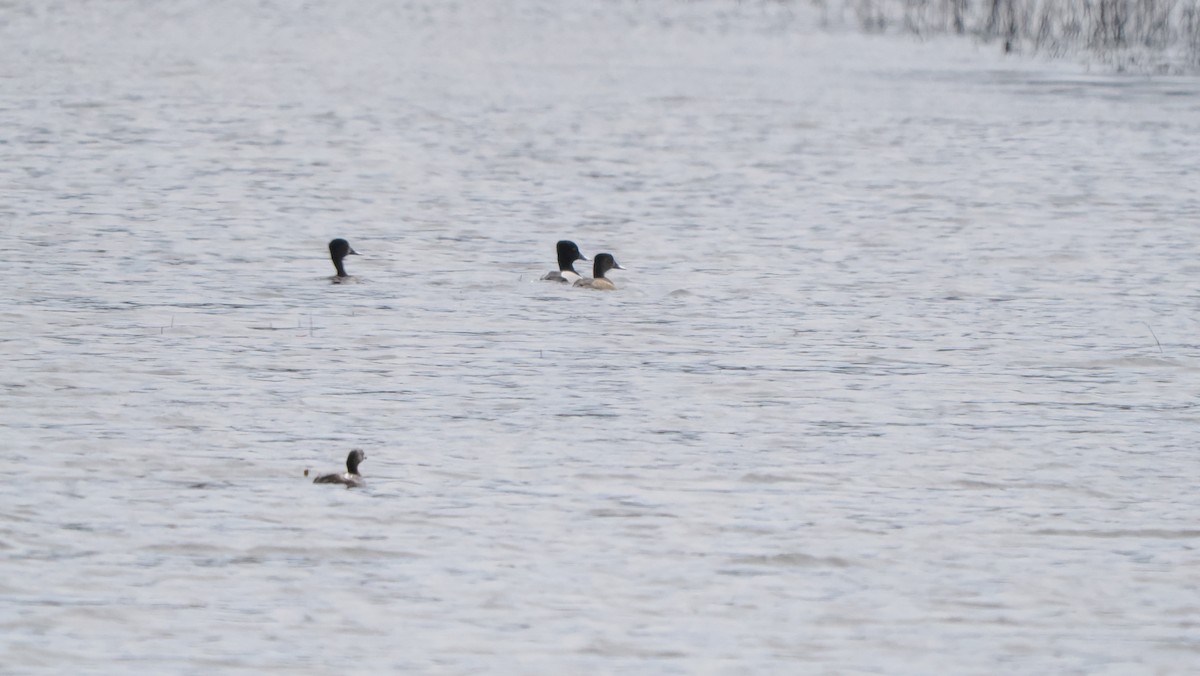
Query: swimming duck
603 263
351 479
339 249
568 253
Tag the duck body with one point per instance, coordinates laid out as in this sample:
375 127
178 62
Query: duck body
602 283
562 276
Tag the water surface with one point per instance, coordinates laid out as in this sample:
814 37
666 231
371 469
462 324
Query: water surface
901 377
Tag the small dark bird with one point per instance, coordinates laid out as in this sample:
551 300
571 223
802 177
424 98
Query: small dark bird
351 479
339 249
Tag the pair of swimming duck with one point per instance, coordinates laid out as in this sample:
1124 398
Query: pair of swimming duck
568 253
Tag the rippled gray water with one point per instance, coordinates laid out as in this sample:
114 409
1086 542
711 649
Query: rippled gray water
901 378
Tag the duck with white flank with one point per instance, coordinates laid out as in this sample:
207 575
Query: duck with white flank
351 479
568 253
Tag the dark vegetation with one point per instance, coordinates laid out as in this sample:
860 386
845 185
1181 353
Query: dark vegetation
1150 35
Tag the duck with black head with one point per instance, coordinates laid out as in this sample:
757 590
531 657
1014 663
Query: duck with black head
568 253
339 249
602 264
351 479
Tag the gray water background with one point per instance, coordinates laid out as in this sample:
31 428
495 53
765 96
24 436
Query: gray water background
901 378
